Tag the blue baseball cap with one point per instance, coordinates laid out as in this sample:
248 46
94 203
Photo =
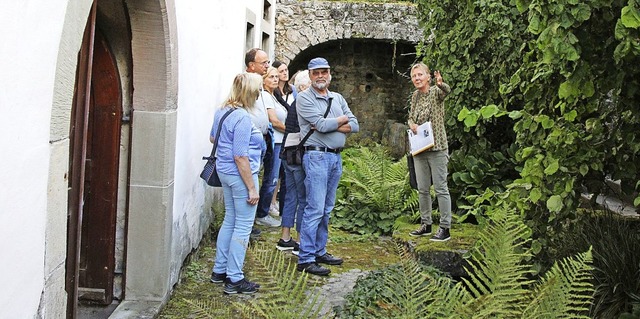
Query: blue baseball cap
318 63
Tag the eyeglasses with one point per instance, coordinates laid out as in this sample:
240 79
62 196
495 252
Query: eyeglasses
263 63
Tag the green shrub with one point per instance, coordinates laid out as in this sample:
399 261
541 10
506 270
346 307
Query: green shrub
499 283
373 191
616 261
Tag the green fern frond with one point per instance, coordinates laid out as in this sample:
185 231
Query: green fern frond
566 290
498 279
376 179
289 296
416 293
209 309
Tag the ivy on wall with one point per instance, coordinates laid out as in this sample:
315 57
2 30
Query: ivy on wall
544 92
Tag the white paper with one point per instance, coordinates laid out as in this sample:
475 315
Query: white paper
293 139
421 141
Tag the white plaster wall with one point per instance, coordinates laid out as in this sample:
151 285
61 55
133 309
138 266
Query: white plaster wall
211 38
30 37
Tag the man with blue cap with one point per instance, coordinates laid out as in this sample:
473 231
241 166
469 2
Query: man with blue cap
327 115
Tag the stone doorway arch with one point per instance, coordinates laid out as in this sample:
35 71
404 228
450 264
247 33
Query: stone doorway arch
146 54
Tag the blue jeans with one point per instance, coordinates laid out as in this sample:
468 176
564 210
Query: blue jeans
323 171
432 166
295 198
269 181
233 237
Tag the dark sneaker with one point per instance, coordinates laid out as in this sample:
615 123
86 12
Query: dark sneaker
441 235
296 250
314 269
218 278
287 245
422 231
328 259
243 286
255 233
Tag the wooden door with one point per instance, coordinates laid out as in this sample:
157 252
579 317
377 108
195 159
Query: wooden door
97 250
93 172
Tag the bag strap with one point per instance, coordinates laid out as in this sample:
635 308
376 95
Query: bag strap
215 144
306 137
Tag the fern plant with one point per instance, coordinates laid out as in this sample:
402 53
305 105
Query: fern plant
208 309
499 283
373 192
285 293
289 295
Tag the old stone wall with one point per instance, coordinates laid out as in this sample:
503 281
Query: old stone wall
302 24
370 47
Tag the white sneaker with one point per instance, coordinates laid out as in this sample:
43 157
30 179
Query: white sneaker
268 221
273 211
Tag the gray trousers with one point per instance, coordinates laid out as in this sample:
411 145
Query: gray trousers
432 166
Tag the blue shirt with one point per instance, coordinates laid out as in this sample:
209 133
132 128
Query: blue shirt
311 107
238 137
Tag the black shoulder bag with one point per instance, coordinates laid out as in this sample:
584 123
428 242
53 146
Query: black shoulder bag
293 154
209 173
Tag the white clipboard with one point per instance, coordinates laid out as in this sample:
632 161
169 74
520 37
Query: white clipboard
421 141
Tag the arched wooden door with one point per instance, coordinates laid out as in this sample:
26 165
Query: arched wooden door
97 249
93 183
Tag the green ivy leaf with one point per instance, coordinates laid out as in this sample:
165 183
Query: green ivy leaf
554 203
568 89
535 195
630 17
514 115
636 202
463 113
489 111
527 151
581 12
522 5
571 115
621 31
552 168
471 120
584 169
536 247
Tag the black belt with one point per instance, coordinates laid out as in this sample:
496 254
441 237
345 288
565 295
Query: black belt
323 149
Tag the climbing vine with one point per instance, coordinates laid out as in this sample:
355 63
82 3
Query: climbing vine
544 91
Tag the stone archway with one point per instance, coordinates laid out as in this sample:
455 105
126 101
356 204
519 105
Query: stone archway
370 47
339 21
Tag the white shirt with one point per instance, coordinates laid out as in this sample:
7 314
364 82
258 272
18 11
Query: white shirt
259 115
270 102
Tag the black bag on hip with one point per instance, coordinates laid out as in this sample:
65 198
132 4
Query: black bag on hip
413 181
209 173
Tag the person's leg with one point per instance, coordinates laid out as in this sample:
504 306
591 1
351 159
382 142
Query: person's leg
316 190
266 189
282 188
334 165
226 229
290 202
299 177
245 214
439 161
423 177
270 180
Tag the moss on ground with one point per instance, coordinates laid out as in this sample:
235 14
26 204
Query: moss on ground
359 252
463 236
